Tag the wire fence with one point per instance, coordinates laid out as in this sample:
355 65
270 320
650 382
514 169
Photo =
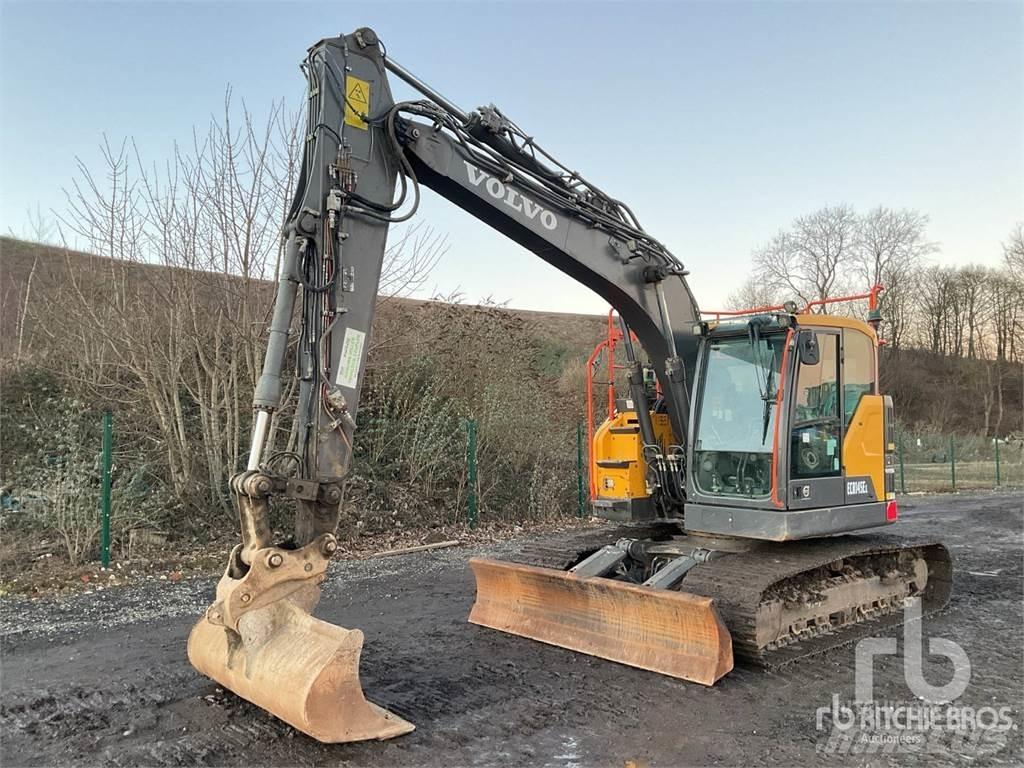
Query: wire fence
928 461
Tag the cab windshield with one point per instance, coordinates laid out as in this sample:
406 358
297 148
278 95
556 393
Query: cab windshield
736 416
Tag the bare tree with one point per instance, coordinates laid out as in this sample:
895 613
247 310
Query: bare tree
754 292
1011 309
934 287
38 228
891 241
808 260
890 245
414 251
1013 251
188 248
970 310
170 318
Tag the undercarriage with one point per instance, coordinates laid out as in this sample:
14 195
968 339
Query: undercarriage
777 602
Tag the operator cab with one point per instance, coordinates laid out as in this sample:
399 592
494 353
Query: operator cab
790 437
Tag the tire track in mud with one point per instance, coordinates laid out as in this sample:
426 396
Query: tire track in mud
257 736
168 718
85 717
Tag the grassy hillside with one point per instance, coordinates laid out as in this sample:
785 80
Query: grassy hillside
32 267
930 391
175 355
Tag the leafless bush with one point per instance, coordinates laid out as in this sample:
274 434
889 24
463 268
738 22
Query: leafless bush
457 363
170 315
73 512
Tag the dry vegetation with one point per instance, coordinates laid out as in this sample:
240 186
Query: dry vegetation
180 388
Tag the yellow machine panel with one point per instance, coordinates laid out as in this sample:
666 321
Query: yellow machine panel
864 445
619 469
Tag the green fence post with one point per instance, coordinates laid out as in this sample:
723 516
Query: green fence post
471 469
997 461
903 477
108 450
952 460
581 504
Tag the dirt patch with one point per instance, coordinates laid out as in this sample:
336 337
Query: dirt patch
102 678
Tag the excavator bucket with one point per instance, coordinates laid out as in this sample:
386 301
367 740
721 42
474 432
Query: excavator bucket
674 633
301 669
297 667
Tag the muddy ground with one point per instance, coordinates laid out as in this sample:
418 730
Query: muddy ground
102 679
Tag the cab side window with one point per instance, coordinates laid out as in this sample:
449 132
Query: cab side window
858 370
816 427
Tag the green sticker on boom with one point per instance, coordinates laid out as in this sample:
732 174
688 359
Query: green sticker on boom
351 358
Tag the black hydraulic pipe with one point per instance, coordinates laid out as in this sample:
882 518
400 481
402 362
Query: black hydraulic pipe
403 74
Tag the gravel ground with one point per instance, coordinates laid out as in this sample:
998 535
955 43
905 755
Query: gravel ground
102 679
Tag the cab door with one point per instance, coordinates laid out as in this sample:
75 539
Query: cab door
816 426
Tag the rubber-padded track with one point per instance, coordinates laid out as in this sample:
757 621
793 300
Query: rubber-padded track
738 582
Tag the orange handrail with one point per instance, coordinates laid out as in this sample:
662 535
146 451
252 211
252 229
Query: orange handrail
591 361
871 296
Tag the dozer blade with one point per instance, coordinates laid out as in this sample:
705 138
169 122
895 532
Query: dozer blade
297 667
664 631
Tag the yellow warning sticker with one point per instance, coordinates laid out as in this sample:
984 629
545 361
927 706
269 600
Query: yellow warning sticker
357 102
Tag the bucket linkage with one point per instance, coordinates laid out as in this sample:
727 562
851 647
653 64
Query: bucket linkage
260 640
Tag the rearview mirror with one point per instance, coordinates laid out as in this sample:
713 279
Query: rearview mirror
807 348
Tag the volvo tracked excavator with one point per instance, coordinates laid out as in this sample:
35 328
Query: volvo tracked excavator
733 477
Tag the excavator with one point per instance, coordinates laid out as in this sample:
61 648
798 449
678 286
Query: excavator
745 450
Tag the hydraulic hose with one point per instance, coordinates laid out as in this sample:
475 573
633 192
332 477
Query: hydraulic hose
637 390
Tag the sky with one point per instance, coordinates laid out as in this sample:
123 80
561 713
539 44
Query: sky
718 123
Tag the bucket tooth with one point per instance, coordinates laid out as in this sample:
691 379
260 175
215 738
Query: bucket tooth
674 633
